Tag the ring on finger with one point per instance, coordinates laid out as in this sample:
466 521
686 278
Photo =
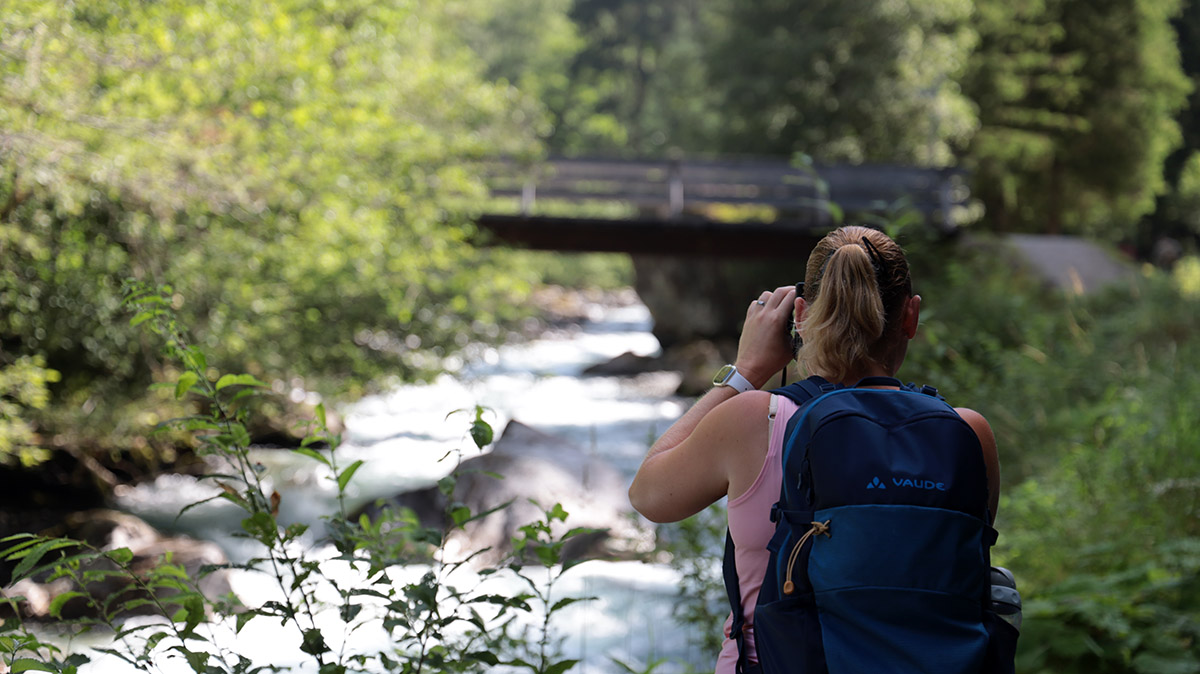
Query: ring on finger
760 303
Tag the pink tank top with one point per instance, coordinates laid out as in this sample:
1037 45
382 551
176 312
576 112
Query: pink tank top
751 528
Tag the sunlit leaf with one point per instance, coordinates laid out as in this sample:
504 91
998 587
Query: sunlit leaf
481 433
142 318
30 665
186 381
56 605
121 556
312 454
30 557
347 474
561 666
238 380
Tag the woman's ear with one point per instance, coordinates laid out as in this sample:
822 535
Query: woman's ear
798 312
912 316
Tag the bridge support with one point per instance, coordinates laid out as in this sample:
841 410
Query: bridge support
705 298
696 276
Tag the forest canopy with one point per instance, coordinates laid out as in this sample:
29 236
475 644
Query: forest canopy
296 169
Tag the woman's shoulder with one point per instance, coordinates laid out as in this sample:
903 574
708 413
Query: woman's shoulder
739 414
975 420
991 458
749 400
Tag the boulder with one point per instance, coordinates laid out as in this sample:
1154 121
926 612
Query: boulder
627 364
535 467
111 530
696 362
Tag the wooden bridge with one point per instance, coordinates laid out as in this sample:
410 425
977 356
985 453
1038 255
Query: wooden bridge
718 207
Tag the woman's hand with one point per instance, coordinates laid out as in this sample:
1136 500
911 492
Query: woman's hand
762 349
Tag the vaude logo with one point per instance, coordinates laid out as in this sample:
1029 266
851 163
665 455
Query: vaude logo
918 483
876 484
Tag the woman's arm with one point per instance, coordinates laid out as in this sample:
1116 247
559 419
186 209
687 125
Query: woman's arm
991 456
689 467
678 481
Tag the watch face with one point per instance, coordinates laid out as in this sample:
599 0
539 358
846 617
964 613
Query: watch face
724 374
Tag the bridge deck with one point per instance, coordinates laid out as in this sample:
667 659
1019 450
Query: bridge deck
675 200
684 236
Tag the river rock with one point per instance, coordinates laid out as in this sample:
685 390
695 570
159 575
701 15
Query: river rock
627 364
696 362
112 530
539 467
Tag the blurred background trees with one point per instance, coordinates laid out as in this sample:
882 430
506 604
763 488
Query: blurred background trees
1077 110
846 81
297 169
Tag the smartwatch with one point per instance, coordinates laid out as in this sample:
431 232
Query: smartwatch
729 376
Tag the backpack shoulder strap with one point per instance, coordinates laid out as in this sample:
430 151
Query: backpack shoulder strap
799 392
879 381
804 390
926 389
734 591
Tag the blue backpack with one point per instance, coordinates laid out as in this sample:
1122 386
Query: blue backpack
880 557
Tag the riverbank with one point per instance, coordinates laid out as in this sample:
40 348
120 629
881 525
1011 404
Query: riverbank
91 451
402 436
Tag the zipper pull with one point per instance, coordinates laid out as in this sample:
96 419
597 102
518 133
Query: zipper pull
817 528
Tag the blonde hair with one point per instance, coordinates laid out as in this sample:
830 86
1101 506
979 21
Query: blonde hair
855 286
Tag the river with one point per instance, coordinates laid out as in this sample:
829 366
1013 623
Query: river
402 436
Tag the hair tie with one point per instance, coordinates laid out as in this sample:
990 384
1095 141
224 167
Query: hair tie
877 261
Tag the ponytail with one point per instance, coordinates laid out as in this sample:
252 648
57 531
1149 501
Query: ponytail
848 313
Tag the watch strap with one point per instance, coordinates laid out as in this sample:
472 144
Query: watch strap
729 376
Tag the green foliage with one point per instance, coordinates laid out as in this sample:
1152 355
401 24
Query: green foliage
1076 107
615 76
529 44
306 172
647 668
695 546
296 167
864 80
435 625
639 84
1179 209
1091 399
109 585
1138 619
1178 213
602 271
23 389
538 541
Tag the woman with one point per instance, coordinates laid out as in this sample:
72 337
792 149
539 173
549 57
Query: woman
856 319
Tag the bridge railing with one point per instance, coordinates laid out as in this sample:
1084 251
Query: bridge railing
677 188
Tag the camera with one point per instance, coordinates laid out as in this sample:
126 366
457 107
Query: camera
790 333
